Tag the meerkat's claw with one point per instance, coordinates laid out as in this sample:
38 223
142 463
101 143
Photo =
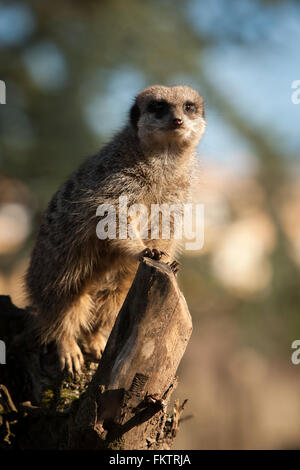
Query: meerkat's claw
156 254
174 266
153 254
164 253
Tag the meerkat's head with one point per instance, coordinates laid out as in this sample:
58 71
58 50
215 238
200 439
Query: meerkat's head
164 116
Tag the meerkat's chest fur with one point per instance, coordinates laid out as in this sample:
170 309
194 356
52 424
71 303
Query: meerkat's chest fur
167 180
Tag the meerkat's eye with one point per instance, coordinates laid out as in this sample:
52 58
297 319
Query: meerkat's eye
159 108
190 107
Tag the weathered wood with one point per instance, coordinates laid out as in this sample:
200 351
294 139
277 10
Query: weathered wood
124 406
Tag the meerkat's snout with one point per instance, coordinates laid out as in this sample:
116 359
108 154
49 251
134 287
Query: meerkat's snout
177 123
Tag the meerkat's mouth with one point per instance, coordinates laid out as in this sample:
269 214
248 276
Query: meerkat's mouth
175 129
169 133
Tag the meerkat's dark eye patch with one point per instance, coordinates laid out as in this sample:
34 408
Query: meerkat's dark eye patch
190 107
158 107
134 115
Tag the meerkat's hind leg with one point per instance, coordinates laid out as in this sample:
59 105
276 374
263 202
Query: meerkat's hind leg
77 318
108 299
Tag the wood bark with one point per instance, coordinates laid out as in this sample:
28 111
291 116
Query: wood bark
122 403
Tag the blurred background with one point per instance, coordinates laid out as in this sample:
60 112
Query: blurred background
71 70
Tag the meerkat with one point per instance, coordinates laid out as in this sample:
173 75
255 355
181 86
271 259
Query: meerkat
76 282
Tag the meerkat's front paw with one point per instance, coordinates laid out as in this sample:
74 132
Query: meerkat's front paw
70 357
152 253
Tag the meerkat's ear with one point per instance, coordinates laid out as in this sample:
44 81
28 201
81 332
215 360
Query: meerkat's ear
203 110
202 107
134 115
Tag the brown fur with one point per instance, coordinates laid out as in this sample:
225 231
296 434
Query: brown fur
77 282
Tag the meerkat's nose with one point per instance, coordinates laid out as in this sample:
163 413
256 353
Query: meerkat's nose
177 122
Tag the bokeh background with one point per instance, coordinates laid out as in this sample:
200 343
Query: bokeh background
71 70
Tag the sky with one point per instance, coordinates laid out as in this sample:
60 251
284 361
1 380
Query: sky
257 80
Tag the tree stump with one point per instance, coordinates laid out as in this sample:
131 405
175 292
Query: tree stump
120 403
